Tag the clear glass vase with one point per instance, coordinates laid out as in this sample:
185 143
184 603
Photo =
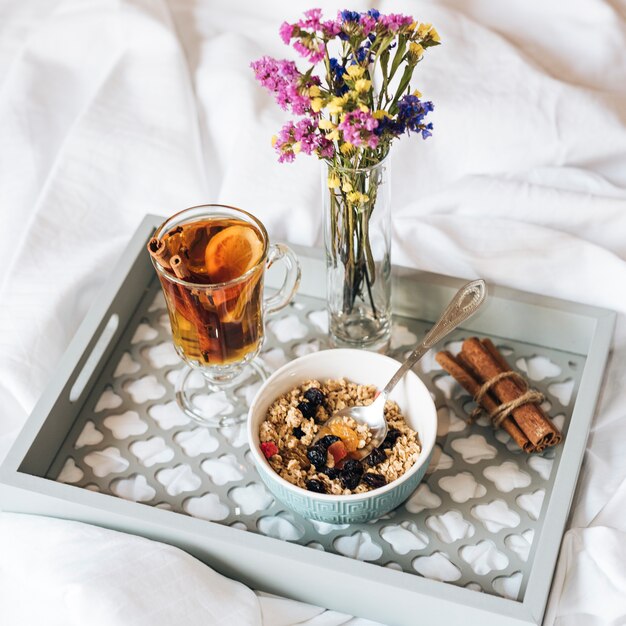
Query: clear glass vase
357 234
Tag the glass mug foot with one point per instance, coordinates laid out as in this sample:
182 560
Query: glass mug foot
219 403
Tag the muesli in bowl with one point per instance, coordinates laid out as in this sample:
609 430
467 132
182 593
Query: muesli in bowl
277 451
308 454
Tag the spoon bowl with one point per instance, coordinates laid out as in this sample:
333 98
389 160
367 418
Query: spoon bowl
463 305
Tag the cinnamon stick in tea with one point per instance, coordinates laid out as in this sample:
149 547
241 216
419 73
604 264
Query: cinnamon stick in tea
466 378
159 251
529 418
190 311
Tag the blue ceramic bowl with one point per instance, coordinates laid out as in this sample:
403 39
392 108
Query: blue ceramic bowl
362 367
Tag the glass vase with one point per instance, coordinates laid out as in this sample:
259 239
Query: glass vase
357 234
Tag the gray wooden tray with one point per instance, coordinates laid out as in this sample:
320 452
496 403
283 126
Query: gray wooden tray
94 431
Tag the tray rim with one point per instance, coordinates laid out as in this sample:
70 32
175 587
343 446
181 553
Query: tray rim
61 500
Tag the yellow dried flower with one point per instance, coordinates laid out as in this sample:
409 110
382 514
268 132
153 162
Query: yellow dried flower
362 85
316 104
274 140
416 51
423 29
296 147
347 186
336 104
356 197
326 125
314 91
333 180
417 93
378 115
347 148
355 71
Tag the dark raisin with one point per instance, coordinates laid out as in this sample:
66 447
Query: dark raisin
375 457
326 441
352 465
315 396
390 439
298 433
374 480
317 456
350 480
351 473
332 472
315 486
307 409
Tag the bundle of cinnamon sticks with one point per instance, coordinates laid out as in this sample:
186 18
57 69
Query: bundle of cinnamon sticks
501 393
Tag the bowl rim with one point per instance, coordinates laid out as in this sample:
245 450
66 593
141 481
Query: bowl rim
261 462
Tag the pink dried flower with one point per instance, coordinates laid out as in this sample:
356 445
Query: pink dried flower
331 28
395 21
368 24
313 50
286 32
284 143
358 127
284 80
312 21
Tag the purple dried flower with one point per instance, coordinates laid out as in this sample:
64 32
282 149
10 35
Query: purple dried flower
286 32
312 50
284 80
358 127
394 21
312 21
331 28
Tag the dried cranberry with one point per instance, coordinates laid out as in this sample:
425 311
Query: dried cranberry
269 449
338 451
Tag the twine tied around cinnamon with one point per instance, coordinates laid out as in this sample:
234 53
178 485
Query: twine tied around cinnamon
506 408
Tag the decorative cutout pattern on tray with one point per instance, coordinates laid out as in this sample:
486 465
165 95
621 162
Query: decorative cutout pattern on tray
471 522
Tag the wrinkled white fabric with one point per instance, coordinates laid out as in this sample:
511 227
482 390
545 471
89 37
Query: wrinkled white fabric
110 109
64 573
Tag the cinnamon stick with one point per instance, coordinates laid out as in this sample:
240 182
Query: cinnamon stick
467 379
179 267
554 437
159 251
530 418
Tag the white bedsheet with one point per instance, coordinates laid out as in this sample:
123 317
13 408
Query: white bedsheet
110 109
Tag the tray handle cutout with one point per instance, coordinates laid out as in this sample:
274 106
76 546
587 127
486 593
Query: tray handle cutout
106 336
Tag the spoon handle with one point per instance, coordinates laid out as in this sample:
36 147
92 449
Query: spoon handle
464 304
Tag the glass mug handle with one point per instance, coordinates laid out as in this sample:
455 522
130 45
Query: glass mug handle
280 299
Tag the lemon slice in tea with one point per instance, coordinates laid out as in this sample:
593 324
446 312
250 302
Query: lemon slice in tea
232 252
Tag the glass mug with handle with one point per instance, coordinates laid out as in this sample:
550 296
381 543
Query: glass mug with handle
211 260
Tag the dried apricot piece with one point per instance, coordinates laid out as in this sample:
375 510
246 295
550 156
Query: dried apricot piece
346 434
